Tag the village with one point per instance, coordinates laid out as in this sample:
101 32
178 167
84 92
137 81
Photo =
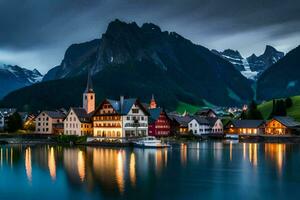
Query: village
127 118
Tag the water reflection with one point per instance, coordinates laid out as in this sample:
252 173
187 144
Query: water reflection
28 167
51 163
276 153
115 172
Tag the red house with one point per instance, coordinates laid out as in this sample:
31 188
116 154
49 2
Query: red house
159 123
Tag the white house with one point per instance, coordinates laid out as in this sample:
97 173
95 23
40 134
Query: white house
199 126
77 122
121 118
216 125
49 122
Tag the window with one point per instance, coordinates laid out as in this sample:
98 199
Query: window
92 97
128 118
135 110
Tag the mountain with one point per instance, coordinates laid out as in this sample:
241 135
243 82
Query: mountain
138 61
13 77
252 66
281 79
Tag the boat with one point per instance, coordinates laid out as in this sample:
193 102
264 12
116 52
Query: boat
150 142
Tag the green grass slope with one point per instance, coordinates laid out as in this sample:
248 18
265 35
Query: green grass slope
294 111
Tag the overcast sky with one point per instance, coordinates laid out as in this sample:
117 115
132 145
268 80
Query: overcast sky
36 33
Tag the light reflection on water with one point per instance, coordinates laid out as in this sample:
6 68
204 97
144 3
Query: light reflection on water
123 173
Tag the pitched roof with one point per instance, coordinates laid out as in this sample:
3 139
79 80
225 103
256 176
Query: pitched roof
205 112
82 115
155 113
247 123
89 86
200 120
54 114
182 120
211 120
126 107
287 121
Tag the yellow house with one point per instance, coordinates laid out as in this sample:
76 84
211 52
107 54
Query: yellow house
281 126
244 127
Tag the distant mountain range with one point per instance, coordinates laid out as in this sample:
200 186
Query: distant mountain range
13 77
138 61
253 66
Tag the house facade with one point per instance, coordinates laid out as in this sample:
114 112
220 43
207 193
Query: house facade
49 122
216 125
120 118
199 126
244 127
159 123
179 123
281 126
78 122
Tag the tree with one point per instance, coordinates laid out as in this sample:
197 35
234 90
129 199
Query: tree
243 115
280 109
14 123
253 112
288 102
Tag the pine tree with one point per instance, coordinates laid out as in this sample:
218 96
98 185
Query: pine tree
14 123
253 112
288 102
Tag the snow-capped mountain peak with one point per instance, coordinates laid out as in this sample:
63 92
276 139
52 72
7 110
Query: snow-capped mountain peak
254 65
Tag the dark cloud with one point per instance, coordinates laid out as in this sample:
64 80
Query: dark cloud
36 33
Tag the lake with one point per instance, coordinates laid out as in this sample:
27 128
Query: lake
197 170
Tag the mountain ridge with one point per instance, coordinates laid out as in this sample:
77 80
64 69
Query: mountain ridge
167 62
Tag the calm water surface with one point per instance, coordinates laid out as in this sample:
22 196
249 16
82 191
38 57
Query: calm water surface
203 170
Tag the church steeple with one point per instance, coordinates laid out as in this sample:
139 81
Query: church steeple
89 86
152 103
89 95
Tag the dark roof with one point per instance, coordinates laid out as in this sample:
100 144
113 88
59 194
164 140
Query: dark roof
127 105
82 115
287 121
200 120
205 112
211 120
155 113
247 123
182 120
54 114
89 86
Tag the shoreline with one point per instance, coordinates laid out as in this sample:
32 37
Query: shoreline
32 139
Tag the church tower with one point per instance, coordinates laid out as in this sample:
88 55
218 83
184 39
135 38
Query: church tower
89 96
152 103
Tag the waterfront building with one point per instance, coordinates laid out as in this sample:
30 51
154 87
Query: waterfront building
244 127
206 113
49 122
179 123
78 122
159 123
215 124
120 118
199 126
279 125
